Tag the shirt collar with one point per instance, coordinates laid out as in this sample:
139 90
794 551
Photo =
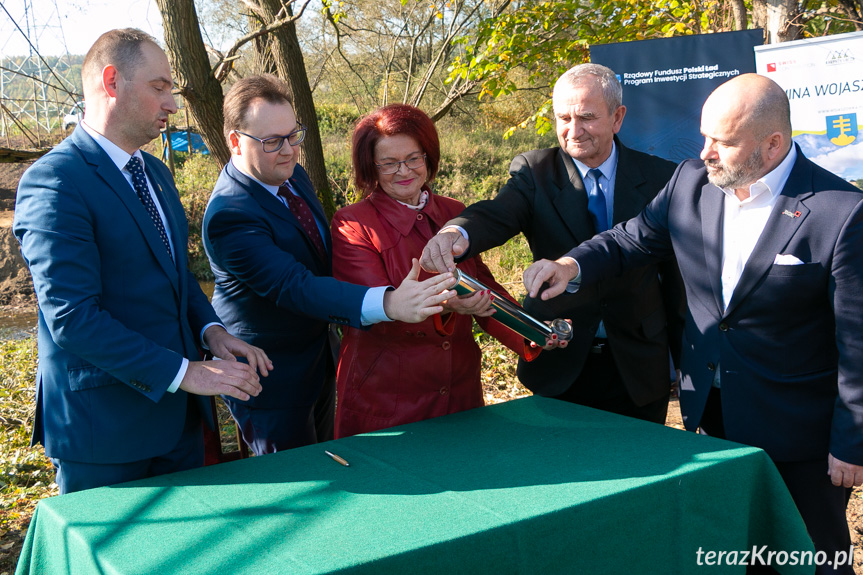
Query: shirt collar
774 180
403 218
606 167
118 155
274 190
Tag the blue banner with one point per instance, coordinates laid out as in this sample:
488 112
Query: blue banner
666 81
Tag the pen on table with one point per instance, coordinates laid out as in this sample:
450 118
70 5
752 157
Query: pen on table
337 458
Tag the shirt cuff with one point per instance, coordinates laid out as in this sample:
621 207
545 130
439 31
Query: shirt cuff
184 367
459 229
575 283
206 327
373 306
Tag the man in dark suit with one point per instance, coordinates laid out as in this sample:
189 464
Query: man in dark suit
768 245
120 316
269 246
618 359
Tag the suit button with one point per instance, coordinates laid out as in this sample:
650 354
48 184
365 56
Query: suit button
710 366
723 326
444 391
445 345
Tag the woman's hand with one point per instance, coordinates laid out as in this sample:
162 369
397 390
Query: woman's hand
478 304
414 300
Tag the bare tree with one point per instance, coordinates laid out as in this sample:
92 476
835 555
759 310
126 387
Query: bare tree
401 50
195 80
280 48
738 9
779 18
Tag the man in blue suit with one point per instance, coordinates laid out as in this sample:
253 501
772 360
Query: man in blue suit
269 246
769 247
119 385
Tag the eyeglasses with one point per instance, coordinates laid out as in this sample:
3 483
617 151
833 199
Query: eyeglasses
275 143
413 163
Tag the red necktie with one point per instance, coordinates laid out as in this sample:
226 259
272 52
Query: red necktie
304 215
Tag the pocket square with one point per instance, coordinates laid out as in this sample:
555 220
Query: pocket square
786 260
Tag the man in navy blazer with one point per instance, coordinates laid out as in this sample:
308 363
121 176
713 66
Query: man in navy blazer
273 271
119 383
769 247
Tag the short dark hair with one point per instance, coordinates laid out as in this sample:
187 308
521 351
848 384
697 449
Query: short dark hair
241 95
120 48
390 121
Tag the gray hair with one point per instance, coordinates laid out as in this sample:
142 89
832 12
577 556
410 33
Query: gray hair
612 91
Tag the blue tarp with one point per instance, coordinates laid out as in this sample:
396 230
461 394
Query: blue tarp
180 143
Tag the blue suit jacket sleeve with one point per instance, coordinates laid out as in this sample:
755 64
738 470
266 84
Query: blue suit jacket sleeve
250 237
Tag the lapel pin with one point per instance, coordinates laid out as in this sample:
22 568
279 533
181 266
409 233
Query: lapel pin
791 214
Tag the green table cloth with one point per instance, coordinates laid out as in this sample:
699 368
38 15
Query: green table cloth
530 486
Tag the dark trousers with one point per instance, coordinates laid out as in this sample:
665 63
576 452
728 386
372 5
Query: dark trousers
821 504
187 454
325 407
277 429
271 430
600 386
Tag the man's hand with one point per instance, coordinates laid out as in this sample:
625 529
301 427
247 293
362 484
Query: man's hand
230 378
413 301
556 273
438 255
844 474
225 346
478 304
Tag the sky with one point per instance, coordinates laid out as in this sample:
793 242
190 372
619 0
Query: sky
58 27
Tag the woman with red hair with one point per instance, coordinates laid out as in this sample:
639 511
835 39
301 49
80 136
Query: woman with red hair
395 373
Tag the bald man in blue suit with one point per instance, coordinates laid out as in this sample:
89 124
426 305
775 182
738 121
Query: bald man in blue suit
768 245
119 390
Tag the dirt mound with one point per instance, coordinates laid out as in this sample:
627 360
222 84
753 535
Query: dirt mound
15 285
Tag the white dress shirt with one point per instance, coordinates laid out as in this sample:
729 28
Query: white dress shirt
745 220
743 224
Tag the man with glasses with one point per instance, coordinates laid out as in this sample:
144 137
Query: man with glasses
269 247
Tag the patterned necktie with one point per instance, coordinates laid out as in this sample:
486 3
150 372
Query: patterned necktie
304 215
596 202
135 168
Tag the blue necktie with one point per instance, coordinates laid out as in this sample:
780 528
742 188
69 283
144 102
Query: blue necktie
139 180
596 202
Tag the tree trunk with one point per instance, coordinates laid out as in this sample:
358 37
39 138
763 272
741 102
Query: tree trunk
290 66
195 80
777 17
738 9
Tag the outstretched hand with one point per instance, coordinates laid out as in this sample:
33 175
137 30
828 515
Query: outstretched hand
440 251
413 301
557 274
225 346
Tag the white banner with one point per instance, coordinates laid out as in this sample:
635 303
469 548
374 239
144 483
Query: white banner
823 78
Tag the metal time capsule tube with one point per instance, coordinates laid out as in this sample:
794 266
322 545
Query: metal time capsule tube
513 315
